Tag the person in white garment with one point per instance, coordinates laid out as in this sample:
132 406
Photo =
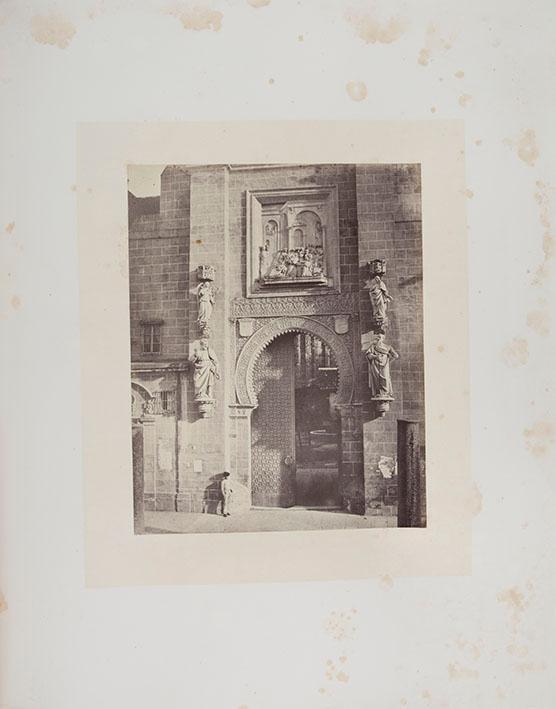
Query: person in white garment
226 490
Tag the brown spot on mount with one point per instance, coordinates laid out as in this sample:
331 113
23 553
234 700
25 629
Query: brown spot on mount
371 31
197 18
357 90
52 29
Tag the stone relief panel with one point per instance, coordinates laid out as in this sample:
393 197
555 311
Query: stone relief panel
292 240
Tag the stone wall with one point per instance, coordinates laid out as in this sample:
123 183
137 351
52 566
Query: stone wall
202 220
389 218
159 267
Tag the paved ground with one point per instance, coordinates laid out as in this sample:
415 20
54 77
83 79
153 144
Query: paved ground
259 520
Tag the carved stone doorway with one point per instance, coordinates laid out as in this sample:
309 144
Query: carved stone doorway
272 478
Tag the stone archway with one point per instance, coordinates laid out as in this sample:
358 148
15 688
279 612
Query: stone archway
280 326
351 468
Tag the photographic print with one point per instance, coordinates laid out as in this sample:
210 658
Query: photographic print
276 328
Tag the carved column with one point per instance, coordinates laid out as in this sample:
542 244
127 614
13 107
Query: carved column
409 475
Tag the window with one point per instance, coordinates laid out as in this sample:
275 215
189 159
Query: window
168 402
151 340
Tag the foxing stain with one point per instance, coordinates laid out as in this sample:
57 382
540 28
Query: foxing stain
456 671
52 29
357 90
258 3
464 99
517 650
514 599
433 42
333 672
524 667
548 241
386 581
539 322
526 146
516 352
15 302
197 18
339 625
3 604
10 227
371 31
540 437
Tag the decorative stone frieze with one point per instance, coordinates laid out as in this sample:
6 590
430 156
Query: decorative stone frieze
343 303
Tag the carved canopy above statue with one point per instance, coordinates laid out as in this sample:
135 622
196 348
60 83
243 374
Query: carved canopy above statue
292 241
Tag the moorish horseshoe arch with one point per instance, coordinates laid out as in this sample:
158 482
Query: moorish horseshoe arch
266 334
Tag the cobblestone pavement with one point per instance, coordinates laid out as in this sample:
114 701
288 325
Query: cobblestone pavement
260 520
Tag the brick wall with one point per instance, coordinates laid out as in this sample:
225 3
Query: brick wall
204 441
273 425
159 267
388 204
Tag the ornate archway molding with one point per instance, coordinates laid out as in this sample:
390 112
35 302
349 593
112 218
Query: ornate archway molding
269 332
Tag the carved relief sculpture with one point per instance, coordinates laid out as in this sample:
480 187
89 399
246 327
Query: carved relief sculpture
378 294
205 371
148 407
378 356
305 263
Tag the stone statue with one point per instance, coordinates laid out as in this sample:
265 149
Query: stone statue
379 355
380 298
205 299
205 370
378 293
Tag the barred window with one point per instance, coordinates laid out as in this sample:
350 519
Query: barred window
151 337
168 402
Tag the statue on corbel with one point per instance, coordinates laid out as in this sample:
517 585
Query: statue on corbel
205 372
378 294
206 293
203 359
379 354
